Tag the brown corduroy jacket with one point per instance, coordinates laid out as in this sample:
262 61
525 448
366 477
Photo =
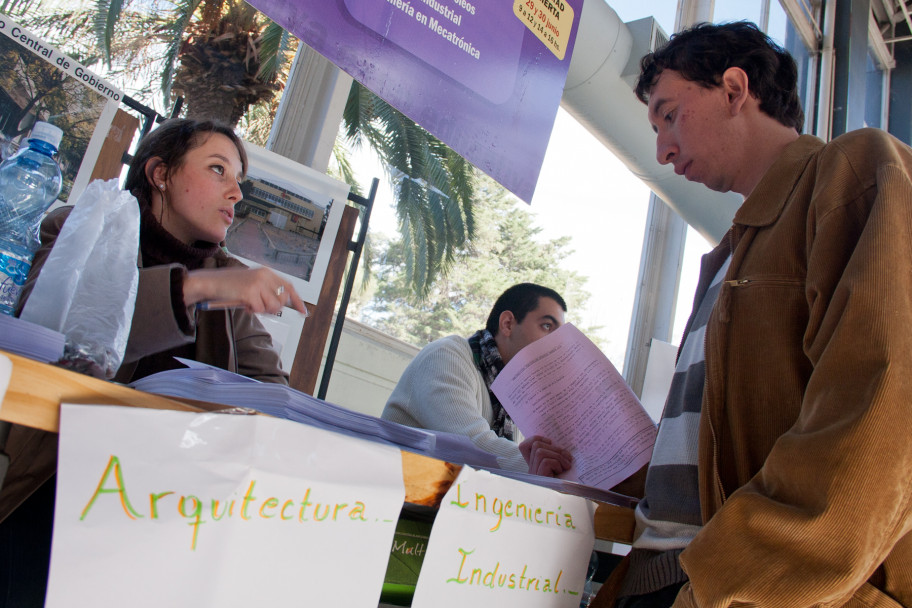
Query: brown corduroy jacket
805 453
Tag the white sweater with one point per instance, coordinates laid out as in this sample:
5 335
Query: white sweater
442 390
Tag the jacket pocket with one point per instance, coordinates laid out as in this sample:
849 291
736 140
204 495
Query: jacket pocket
733 288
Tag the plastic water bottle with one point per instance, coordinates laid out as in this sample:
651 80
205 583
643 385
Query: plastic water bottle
30 181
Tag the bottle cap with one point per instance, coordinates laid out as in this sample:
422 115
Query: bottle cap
48 133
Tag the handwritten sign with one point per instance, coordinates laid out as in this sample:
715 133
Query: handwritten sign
159 508
565 388
500 542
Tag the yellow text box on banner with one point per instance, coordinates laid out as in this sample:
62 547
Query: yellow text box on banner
550 20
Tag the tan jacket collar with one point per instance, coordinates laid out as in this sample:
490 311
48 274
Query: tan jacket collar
767 200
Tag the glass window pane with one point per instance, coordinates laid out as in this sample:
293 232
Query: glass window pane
873 93
736 10
694 248
664 11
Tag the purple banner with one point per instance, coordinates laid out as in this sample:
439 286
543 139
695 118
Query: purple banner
484 76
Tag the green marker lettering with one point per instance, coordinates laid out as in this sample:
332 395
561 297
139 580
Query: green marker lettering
459 578
474 572
197 511
153 503
304 503
357 511
458 502
497 508
121 490
493 575
271 503
248 498
317 512
215 514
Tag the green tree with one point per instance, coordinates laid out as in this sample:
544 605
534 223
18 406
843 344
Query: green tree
506 250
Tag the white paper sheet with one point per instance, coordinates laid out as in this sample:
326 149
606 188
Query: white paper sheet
499 542
6 372
159 508
564 388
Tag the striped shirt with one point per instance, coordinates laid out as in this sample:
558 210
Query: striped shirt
668 517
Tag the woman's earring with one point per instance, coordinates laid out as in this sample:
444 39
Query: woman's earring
161 187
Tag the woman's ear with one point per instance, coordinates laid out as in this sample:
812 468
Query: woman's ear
156 172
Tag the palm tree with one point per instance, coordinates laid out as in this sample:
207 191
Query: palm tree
227 53
225 57
434 186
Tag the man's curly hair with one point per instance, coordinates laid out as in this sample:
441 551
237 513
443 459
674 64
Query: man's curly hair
702 53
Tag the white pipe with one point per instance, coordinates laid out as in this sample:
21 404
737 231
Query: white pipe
599 95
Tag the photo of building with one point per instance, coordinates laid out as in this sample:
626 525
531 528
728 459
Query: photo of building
277 227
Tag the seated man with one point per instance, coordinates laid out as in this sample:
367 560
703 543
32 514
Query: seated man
447 385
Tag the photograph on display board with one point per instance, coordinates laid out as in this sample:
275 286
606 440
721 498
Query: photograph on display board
287 220
32 89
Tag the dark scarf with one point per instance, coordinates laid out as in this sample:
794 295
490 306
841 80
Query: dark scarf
488 361
160 247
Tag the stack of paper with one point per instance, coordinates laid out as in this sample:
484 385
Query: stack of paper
30 340
206 383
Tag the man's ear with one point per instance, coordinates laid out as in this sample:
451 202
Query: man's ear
506 323
735 85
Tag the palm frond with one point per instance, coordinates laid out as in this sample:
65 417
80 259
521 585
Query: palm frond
173 32
16 8
344 167
367 269
107 13
274 44
433 185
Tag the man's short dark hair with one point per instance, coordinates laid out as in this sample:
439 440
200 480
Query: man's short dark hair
702 53
520 299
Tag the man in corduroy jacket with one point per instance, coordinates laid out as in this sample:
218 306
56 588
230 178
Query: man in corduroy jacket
803 457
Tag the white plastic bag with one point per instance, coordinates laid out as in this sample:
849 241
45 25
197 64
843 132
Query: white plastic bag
87 286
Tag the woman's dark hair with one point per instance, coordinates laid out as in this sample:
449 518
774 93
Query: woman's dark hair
171 142
520 299
702 53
